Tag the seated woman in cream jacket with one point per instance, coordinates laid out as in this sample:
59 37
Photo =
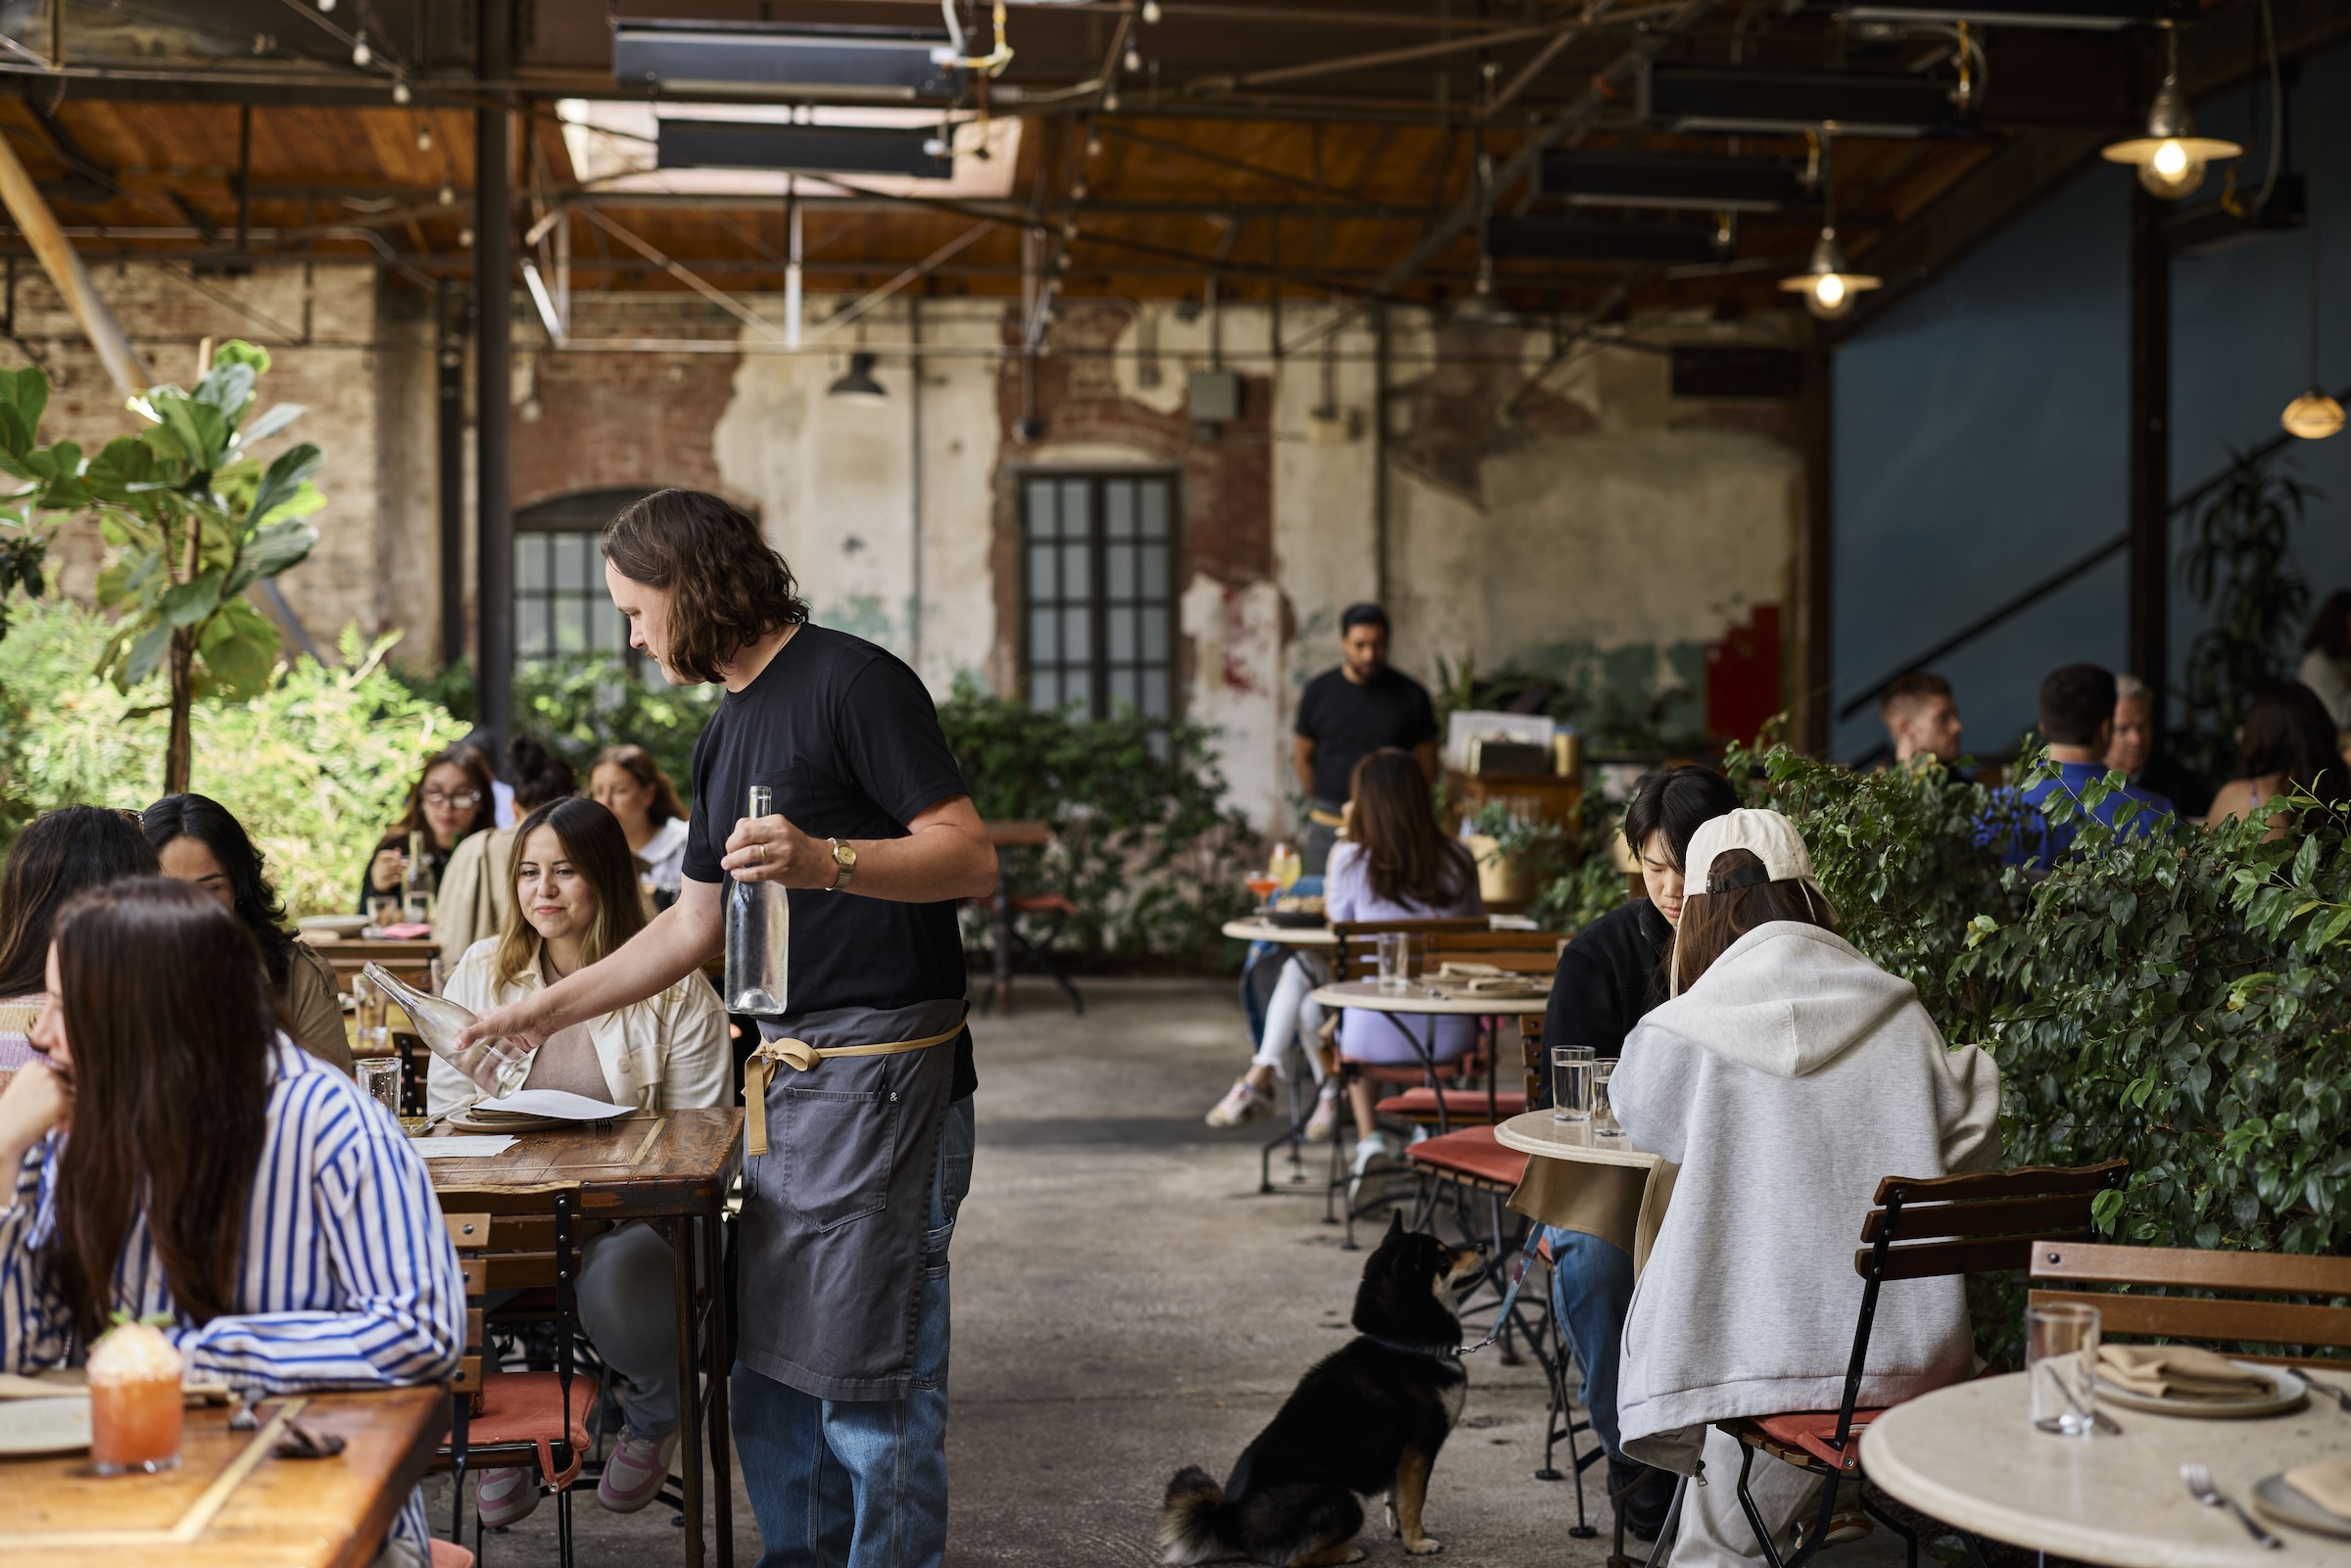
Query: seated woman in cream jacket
574 899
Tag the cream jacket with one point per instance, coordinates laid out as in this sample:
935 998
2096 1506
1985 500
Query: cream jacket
666 1053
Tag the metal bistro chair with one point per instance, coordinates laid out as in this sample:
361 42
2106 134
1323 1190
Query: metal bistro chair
2214 1317
1514 953
534 1419
1922 1228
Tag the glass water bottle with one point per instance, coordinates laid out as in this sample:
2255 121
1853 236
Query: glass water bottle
758 936
497 1068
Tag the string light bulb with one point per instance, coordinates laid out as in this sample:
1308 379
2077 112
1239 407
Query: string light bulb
399 92
1133 60
425 138
1151 10
1109 101
361 53
2171 158
326 6
449 195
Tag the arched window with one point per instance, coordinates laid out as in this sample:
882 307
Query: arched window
562 610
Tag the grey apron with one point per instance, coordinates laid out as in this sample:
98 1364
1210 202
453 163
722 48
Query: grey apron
835 1214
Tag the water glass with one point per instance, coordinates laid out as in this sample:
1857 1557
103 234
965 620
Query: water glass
1395 960
383 909
436 976
1604 1110
379 1075
2061 1357
372 1016
1570 1084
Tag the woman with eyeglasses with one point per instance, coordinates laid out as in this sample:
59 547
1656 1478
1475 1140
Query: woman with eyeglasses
449 800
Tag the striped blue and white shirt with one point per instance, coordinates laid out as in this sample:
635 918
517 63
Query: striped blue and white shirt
346 1277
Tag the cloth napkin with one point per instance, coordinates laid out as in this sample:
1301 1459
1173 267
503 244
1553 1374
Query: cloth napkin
2326 1483
2178 1372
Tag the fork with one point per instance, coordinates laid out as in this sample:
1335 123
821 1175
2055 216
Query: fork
2200 1487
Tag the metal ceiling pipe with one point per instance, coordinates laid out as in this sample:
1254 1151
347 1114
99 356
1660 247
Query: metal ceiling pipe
493 369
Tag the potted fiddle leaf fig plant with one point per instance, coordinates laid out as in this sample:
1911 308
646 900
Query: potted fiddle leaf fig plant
194 520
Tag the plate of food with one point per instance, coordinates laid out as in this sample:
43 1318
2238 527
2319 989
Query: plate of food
1298 910
331 924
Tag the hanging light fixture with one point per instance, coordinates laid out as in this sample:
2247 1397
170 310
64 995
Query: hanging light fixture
859 385
2313 416
2171 157
1829 284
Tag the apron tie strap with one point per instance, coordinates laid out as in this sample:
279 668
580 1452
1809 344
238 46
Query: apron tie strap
801 1057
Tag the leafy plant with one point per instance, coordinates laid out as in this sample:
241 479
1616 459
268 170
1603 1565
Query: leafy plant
2240 563
315 767
1143 844
581 705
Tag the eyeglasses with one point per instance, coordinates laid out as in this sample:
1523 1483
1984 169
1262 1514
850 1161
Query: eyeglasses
464 802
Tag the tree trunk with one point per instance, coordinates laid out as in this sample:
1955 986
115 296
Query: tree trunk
179 752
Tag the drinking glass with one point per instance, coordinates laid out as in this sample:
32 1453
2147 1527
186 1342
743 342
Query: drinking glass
379 1075
2061 1357
374 1019
1395 960
1262 887
1570 1084
1285 866
1603 1110
134 1403
383 909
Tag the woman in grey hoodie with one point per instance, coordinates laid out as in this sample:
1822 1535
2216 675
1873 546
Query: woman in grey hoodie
1786 1076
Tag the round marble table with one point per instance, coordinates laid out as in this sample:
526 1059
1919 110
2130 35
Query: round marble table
1967 1455
1421 998
1539 1132
1257 928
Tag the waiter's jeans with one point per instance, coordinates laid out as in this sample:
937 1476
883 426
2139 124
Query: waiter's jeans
1591 1291
862 1483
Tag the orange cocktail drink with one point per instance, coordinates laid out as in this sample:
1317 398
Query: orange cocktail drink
134 1401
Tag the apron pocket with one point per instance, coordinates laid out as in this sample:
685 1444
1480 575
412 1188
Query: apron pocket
837 1149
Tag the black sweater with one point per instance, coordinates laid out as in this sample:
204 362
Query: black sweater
1609 975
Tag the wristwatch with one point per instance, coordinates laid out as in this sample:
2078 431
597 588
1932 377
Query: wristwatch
845 865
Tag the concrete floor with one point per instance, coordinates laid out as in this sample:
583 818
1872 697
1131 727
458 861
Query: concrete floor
1125 1304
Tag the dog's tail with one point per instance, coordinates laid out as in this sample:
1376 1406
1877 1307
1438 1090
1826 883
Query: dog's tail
1188 1520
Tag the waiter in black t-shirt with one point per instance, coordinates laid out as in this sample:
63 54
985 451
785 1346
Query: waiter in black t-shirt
860 1145
1347 713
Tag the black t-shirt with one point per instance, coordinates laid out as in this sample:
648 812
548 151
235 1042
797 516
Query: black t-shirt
1611 975
1348 722
848 738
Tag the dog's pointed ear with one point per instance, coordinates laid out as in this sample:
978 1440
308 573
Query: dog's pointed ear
1395 1224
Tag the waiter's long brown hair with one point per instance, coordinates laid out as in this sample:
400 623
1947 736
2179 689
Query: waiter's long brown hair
731 587
1409 861
166 1014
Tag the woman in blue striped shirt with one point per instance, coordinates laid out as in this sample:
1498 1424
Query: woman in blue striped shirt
173 1153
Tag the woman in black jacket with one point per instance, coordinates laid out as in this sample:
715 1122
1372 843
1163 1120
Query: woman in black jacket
1609 975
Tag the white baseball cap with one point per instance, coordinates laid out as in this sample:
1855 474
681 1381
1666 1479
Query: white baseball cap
1766 834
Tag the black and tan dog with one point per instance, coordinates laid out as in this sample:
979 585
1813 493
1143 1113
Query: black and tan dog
1368 1418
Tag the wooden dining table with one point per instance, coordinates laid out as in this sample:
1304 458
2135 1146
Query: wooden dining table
672 1169
232 1504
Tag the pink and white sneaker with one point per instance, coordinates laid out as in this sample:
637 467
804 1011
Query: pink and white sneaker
507 1497
635 1471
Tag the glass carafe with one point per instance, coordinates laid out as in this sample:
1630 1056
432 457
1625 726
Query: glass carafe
758 936
495 1066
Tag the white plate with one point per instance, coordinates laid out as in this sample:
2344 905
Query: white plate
332 924
44 1426
2287 1392
2282 1502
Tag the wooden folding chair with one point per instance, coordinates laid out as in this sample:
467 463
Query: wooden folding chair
534 1419
1922 1228
2222 1316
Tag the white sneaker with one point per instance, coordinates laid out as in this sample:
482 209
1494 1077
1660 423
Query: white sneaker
634 1473
1244 1103
1373 1156
1326 1119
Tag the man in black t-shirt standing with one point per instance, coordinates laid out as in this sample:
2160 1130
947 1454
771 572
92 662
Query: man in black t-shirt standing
860 1146
1347 713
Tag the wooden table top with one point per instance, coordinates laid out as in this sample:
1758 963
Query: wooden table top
230 1502
1536 1132
1969 1454
662 1162
1421 999
1256 930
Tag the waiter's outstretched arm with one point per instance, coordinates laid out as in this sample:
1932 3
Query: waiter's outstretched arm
679 940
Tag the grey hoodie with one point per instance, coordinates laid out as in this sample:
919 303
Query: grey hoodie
1786 1083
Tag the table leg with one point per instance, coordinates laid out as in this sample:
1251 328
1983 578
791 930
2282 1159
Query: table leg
1000 997
689 1391
721 1361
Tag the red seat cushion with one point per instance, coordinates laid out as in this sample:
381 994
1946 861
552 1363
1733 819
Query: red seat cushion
1471 1152
1043 904
1460 1105
449 1555
1812 1430
519 1408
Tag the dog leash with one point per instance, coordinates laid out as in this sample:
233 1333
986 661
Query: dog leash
1509 1297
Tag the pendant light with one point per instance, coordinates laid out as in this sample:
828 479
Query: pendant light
859 385
2171 157
2313 416
1829 285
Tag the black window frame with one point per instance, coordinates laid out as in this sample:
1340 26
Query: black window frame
1099 664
